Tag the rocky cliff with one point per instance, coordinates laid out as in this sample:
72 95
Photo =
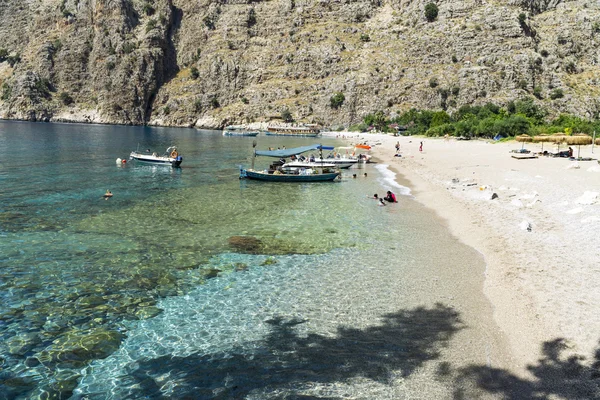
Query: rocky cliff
209 63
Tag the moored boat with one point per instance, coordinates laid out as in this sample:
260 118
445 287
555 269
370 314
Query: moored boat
170 157
238 130
305 130
295 173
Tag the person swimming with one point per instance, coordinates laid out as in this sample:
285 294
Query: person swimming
107 195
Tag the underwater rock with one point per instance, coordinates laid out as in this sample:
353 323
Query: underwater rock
89 301
209 273
269 261
77 348
239 267
21 344
148 312
12 387
245 244
62 385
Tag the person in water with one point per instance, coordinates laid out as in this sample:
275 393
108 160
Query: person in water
107 195
391 197
381 202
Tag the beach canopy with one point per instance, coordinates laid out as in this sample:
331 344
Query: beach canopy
283 153
524 138
579 139
542 138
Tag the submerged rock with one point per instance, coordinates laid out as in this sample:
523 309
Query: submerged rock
77 348
246 244
269 261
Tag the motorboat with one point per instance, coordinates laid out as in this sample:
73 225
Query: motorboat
297 172
170 157
238 130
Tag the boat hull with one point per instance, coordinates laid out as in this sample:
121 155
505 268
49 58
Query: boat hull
233 133
261 176
156 160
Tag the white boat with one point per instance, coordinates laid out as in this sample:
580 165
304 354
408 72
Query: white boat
303 130
238 130
296 165
170 157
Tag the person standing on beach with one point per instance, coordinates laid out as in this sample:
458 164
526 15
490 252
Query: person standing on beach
421 147
397 147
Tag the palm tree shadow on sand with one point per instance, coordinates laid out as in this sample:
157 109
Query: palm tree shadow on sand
554 376
287 362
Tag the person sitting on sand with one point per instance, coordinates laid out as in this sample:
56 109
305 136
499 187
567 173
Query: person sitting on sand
381 202
570 154
391 197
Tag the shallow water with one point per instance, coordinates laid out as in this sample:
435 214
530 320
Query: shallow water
144 296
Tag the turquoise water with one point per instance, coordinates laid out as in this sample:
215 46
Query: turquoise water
190 283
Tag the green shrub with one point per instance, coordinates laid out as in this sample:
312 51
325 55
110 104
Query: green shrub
244 100
286 115
3 54
522 18
362 127
148 9
57 44
214 103
454 59
556 94
198 105
151 24
43 87
110 65
433 82
194 73
6 91
65 98
337 100
167 110
596 27
522 84
544 53
537 92
431 12
570 68
251 20
455 90
364 37
12 60
128 47
209 22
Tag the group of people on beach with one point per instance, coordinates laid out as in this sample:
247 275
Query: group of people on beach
390 198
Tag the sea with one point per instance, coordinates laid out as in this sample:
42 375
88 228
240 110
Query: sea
190 283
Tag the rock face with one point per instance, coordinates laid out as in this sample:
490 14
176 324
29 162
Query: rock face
204 63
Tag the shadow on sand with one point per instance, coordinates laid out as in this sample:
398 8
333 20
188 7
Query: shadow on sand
555 376
287 362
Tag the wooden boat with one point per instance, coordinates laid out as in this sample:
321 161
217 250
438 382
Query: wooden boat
238 130
276 172
306 130
170 157
309 175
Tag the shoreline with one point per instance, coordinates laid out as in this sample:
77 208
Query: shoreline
542 282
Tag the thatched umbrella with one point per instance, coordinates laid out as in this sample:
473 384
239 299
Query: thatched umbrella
578 140
542 138
523 139
598 141
558 138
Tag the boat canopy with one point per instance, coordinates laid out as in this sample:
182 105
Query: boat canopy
291 152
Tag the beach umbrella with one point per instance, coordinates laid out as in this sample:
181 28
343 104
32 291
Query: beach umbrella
578 140
523 139
597 141
542 138
558 138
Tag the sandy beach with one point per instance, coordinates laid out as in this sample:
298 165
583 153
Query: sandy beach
535 222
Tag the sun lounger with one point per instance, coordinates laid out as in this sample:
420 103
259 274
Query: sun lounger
523 156
521 151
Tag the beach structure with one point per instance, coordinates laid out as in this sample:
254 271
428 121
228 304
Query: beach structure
542 138
578 140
